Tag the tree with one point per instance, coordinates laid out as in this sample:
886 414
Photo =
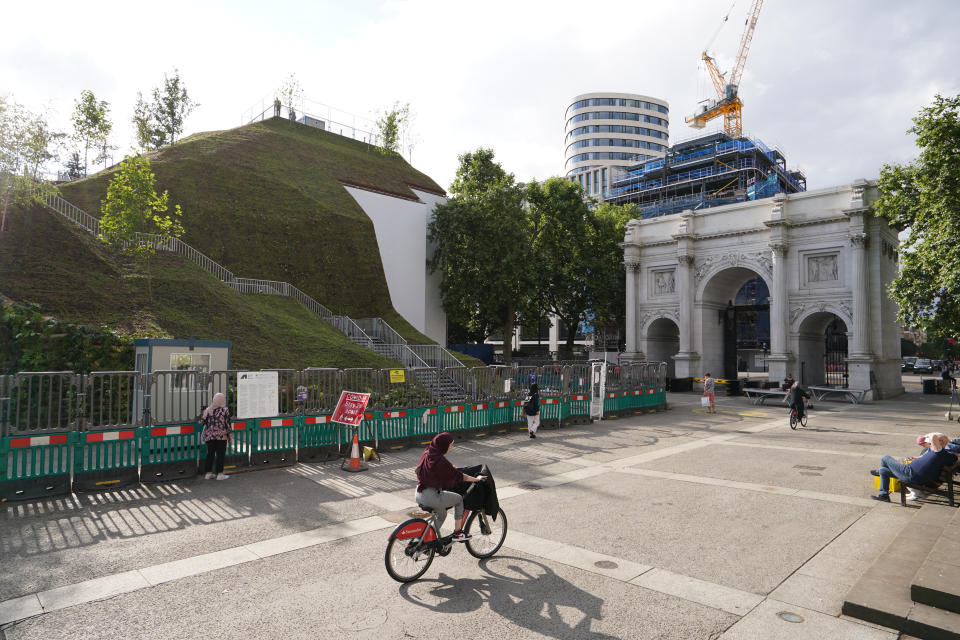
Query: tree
160 122
578 254
291 93
74 166
924 199
133 206
483 246
91 124
392 128
27 144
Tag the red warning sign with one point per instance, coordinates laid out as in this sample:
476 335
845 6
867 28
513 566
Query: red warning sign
350 408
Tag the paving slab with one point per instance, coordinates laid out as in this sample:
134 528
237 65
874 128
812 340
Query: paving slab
740 539
340 589
774 620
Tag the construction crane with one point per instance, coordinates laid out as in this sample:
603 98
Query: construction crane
727 103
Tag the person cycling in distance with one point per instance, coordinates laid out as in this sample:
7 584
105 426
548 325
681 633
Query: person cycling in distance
435 477
797 399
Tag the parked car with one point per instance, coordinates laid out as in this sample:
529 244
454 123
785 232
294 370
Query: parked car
907 364
936 365
922 365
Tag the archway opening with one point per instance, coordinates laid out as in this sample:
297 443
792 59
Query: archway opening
663 342
735 323
823 351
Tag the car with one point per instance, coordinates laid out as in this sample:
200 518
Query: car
936 365
907 364
922 365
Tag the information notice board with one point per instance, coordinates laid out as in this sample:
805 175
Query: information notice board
257 394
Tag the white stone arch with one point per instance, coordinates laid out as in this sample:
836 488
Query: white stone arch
663 344
800 313
711 266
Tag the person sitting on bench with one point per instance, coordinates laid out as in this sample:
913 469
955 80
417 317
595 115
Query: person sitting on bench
946 376
922 470
787 383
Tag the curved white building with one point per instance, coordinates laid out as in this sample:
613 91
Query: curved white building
604 133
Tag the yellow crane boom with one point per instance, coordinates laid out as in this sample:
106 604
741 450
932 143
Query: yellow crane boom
727 103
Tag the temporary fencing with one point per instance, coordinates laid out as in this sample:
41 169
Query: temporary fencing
61 431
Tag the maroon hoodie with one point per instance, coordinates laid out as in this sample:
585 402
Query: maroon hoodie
434 471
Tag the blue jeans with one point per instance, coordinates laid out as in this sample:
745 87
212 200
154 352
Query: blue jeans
889 467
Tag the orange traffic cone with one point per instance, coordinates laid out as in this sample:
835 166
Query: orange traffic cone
356 464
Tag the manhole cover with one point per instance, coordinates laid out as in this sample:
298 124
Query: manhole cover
605 564
790 617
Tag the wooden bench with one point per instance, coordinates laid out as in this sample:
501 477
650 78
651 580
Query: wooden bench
946 477
854 395
760 395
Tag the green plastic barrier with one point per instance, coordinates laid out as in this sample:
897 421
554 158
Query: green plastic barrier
274 442
424 424
35 466
453 418
168 452
239 448
579 405
393 426
106 459
317 437
479 416
550 409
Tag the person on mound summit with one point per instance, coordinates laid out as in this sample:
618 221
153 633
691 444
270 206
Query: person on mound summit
435 477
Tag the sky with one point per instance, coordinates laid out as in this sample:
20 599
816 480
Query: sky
834 84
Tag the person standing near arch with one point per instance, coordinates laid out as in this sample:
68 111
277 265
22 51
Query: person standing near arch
709 388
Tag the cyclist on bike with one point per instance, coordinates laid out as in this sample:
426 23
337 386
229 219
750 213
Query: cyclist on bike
797 399
435 476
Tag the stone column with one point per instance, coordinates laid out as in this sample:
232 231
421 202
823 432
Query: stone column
779 302
687 358
861 304
631 320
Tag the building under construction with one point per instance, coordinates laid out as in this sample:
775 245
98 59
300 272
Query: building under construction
708 171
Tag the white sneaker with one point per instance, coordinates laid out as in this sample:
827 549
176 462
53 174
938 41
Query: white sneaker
222 476
913 495
209 476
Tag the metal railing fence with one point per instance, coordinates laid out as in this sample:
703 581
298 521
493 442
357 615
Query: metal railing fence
34 403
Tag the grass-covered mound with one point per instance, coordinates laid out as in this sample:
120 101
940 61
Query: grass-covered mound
75 278
265 200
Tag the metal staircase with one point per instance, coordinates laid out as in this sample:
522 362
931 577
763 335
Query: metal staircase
371 333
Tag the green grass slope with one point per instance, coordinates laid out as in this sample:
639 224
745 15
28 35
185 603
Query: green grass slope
265 200
71 275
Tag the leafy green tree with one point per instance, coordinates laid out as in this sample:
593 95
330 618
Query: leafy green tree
392 127
160 122
91 124
578 254
75 167
483 248
133 206
27 144
924 199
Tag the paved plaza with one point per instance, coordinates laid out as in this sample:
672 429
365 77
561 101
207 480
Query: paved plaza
674 524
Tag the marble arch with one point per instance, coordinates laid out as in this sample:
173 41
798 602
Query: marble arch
819 251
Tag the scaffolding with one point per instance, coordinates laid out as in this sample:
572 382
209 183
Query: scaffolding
707 171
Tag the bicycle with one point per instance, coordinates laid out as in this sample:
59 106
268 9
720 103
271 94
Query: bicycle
794 420
414 543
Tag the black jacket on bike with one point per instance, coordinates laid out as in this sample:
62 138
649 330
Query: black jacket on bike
795 399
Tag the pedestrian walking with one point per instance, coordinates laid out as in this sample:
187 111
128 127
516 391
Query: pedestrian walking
532 410
216 434
709 387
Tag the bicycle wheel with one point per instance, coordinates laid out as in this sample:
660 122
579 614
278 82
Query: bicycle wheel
488 535
793 419
407 558
803 420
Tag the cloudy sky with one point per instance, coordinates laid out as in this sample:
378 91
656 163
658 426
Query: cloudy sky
832 83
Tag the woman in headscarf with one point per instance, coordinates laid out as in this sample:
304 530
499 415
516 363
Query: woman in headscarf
435 475
216 434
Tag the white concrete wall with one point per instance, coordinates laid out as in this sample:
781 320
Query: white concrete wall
401 229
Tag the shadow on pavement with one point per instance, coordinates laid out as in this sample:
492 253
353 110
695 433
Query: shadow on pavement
525 592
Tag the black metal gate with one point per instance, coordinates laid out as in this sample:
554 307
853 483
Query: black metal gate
835 354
